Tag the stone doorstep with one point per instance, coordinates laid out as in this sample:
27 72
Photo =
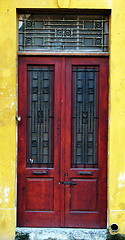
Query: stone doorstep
62 233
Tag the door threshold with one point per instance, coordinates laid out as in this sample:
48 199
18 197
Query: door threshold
61 233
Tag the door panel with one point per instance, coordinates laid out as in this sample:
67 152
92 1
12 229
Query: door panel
39 142
86 142
37 187
84 202
62 154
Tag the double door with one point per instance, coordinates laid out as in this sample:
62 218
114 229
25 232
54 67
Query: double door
62 142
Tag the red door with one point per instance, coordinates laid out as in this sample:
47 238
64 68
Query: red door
62 146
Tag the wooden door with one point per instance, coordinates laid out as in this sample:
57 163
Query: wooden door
62 142
86 142
39 142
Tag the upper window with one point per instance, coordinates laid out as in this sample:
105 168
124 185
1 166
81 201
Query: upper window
63 33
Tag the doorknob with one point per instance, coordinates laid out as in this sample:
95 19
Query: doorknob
18 118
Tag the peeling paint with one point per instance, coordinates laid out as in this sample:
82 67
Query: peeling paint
4 194
121 180
8 101
63 3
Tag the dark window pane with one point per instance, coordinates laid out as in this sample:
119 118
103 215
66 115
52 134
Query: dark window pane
63 33
84 108
39 123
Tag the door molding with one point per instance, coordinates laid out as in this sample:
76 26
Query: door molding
61 152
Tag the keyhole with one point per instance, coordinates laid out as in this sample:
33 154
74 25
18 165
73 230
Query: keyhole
66 174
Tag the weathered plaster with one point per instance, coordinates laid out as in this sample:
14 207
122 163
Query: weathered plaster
8 101
4 194
116 166
63 3
121 180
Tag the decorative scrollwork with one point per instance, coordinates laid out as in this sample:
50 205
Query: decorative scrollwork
35 89
91 91
29 24
28 40
34 143
64 32
90 144
46 90
45 143
79 90
98 24
98 41
59 32
79 144
67 33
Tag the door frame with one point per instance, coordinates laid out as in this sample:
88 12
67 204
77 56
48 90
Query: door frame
63 112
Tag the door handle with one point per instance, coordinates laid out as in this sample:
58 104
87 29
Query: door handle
68 183
40 173
85 173
18 118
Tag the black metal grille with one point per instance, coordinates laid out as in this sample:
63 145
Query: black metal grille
84 115
63 33
40 115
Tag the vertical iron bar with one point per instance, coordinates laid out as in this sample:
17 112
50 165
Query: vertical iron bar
85 130
95 114
82 134
38 124
30 130
75 91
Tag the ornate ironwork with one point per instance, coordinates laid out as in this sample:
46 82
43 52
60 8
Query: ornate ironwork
40 124
63 33
28 41
84 111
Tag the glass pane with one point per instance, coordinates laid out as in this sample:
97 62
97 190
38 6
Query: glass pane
63 33
40 116
84 116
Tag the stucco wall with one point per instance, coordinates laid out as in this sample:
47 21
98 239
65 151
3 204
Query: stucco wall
8 58
116 173
8 103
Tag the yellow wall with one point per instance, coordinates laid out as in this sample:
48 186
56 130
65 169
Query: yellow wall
8 102
8 59
116 178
